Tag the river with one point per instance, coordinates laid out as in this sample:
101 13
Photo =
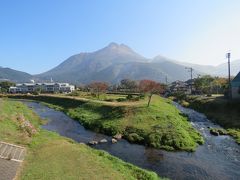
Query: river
218 158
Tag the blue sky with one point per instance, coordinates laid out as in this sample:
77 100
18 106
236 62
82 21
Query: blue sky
38 35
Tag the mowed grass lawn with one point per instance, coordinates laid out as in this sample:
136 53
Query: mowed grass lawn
161 125
50 156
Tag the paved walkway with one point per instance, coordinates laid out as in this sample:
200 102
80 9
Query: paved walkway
11 157
8 169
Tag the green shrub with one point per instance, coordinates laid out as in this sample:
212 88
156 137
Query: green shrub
184 103
235 133
110 100
142 96
134 137
121 99
129 97
74 93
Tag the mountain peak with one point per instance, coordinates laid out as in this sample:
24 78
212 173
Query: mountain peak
114 45
120 49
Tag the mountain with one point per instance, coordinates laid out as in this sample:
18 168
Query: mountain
116 62
84 67
113 63
14 75
220 70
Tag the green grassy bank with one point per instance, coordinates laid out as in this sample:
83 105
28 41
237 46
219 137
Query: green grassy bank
161 125
50 156
221 111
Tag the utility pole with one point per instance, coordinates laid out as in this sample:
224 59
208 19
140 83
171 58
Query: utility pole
191 73
228 56
166 80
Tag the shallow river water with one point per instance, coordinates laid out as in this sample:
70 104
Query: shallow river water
218 158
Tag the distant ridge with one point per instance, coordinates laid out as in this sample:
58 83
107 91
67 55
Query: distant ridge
14 75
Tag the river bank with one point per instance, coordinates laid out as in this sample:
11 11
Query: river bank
51 156
161 125
219 110
217 158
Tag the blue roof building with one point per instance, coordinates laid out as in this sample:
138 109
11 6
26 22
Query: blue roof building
236 87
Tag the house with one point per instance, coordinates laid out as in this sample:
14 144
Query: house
236 87
180 87
43 87
186 87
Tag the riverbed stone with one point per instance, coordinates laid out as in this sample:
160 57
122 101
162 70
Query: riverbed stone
103 141
218 131
118 136
114 140
214 132
92 142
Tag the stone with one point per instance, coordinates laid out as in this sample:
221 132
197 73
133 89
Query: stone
92 142
214 132
118 136
222 132
103 141
218 131
114 140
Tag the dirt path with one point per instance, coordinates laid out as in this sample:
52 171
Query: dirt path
134 103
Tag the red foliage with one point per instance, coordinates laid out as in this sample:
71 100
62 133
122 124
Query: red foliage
99 86
149 86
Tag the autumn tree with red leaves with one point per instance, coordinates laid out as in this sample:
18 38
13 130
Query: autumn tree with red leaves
98 87
150 87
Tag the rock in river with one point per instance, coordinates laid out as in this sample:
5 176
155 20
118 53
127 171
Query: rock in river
92 142
118 136
214 132
103 141
114 140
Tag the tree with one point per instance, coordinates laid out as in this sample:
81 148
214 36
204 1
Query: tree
128 84
98 87
220 85
150 87
208 84
5 85
37 91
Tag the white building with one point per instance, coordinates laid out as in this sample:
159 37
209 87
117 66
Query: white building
43 87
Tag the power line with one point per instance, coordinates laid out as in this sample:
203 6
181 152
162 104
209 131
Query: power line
166 79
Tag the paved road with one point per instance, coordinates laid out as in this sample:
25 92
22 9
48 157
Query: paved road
11 157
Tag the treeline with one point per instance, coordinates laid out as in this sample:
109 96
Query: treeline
211 85
5 85
126 86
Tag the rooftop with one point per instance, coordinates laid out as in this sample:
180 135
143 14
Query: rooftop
237 78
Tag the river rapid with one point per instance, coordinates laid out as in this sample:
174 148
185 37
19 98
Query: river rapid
218 158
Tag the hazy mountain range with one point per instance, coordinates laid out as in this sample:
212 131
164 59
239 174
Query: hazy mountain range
118 61
7 74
